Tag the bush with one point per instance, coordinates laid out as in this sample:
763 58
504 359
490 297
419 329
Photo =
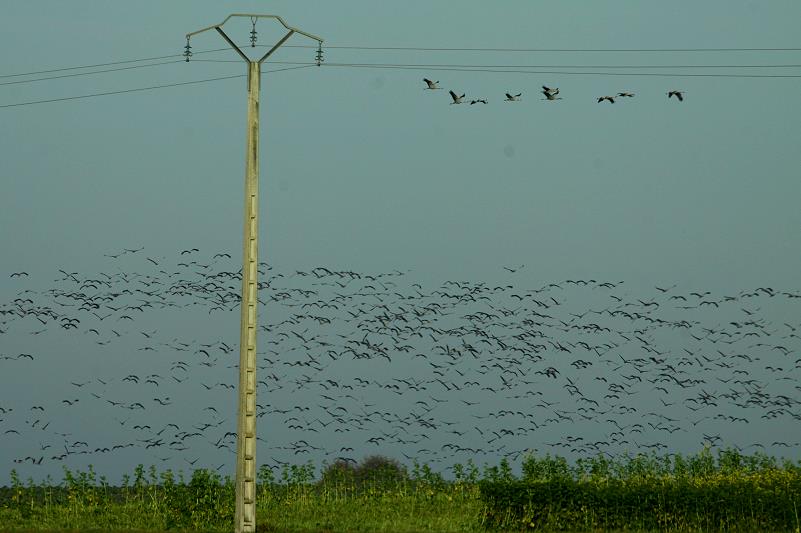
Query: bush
339 472
374 470
380 470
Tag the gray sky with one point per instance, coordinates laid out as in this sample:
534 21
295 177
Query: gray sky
362 170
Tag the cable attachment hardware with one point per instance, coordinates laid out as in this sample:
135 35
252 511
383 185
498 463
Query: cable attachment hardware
253 32
187 50
319 57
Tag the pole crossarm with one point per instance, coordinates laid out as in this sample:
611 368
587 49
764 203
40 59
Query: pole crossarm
279 19
233 45
279 43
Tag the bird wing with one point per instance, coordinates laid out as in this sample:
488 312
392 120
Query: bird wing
453 95
509 96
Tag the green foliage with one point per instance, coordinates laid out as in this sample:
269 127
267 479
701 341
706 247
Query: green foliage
205 501
546 468
340 472
643 493
378 470
734 493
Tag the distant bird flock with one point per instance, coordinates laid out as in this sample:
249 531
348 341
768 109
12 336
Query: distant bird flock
549 94
356 361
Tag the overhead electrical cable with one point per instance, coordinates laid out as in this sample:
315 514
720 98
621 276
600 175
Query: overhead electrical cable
426 65
17 82
422 49
453 65
558 72
645 50
106 64
142 88
500 69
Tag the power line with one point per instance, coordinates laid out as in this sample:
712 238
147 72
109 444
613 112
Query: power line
446 67
121 92
557 72
106 64
89 73
18 82
434 65
143 88
422 49
429 66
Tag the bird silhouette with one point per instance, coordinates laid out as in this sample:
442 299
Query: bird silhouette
551 95
456 99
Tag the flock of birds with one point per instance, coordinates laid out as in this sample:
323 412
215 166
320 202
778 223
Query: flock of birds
549 93
353 363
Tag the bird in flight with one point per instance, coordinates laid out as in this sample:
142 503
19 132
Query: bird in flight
18 274
456 99
677 94
513 97
626 95
550 94
431 84
610 99
480 100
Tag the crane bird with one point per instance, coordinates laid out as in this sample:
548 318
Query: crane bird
480 100
610 99
431 84
456 99
513 97
627 95
549 90
551 96
677 94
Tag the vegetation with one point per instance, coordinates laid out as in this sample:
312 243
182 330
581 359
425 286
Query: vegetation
643 493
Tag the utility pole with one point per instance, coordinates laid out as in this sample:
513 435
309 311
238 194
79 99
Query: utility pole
245 518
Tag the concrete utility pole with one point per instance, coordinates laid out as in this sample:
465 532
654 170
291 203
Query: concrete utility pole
245 519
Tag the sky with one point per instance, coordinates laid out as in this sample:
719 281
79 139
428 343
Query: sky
363 170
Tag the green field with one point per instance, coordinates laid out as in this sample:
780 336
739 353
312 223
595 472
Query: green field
729 492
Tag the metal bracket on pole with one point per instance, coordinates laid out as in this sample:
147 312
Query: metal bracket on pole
276 17
245 516
279 43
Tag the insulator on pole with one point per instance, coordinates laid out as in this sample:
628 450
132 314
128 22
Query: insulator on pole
319 57
253 32
187 50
